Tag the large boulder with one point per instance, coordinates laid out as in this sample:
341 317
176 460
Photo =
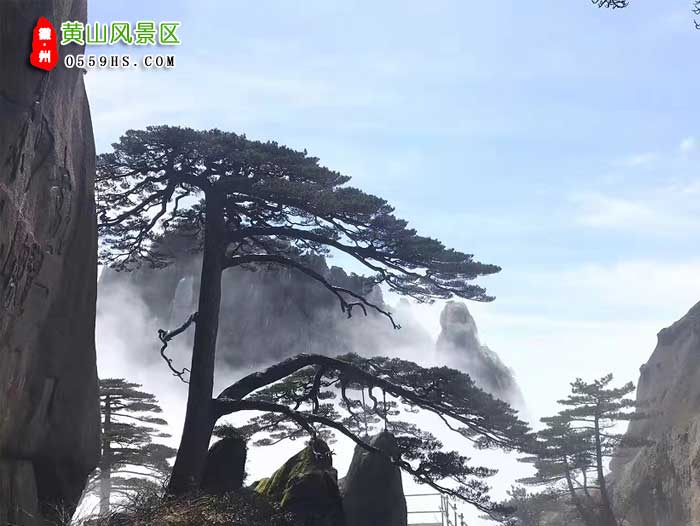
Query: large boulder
49 412
372 490
458 346
224 471
307 485
659 484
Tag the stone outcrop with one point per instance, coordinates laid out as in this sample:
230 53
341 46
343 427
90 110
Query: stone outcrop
49 425
266 315
224 471
659 484
372 490
458 346
307 485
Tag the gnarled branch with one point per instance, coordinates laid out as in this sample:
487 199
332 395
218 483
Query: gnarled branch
165 337
339 292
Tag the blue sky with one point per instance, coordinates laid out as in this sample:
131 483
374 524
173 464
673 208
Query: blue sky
553 138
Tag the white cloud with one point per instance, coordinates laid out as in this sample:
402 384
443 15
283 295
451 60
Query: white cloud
627 286
688 145
597 210
637 160
585 321
648 192
690 188
665 210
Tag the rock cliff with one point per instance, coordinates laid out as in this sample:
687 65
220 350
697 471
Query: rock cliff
49 425
458 346
266 315
659 485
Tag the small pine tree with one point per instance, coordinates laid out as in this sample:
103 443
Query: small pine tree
131 461
563 460
577 442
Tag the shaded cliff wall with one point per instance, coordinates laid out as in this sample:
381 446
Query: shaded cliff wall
49 426
659 485
266 315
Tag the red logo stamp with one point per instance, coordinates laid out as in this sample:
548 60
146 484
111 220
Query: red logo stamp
44 46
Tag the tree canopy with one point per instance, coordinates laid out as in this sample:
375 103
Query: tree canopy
273 204
130 459
313 395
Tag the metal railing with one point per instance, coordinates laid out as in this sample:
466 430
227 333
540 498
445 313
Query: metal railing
447 510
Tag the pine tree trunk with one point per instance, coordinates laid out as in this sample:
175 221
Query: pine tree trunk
585 514
606 513
199 418
106 462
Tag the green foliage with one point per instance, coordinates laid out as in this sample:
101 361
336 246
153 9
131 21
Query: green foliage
356 397
569 453
131 462
274 204
589 401
561 451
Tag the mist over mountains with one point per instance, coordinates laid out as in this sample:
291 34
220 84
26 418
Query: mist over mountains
269 314
459 347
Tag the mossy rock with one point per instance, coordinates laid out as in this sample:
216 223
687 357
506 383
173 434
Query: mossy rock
254 485
307 485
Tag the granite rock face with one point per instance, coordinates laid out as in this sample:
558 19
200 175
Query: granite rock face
266 315
458 346
659 484
49 413
372 490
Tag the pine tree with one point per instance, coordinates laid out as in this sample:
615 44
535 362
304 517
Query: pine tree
255 205
131 460
577 442
563 459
